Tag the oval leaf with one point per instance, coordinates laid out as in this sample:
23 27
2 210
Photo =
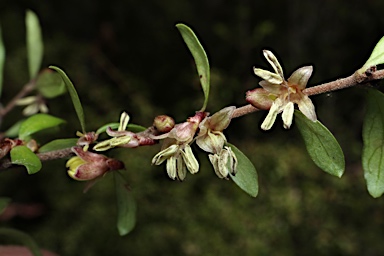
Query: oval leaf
35 46
22 238
376 58
126 206
373 139
37 123
200 57
74 96
50 84
22 155
246 176
58 144
321 145
2 60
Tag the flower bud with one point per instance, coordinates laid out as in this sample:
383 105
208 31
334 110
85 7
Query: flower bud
88 166
163 123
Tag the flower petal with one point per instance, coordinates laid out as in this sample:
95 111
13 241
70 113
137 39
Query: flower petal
271 58
273 78
307 108
300 77
190 159
221 119
272 88
288 115
171 167
259 98
165 154
271 117
124 119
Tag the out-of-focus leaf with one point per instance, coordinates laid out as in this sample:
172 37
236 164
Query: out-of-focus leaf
13 131
35 46
373 139
22 238
246 176
376 58
74 96
2 61
201 59
131 127
4 202
58 144
50 84
37 123
22 155
321 145
126 206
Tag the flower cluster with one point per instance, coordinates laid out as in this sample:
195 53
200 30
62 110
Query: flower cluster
279 95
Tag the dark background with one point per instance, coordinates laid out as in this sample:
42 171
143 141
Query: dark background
128 55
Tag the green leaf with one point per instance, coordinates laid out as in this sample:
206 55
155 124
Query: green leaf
126 206
373 139
201 59
37 123
22 155
321 145
50 84
22 238
4 202
58 144
246 176
2 61
35 46
74 96
13 131
376 58
131 127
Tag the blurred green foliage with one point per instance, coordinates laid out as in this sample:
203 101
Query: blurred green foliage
127 55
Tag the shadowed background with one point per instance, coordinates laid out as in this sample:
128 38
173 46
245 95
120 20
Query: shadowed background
128 55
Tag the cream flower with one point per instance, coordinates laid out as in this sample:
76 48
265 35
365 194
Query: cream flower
279 95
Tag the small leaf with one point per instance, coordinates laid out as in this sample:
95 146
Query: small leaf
2 61
13 131
321 145
74 96
246 176
4 202
22 238
201 59
126 206
37 123
373 139
35 46
376 58
58 144
50 84
22 155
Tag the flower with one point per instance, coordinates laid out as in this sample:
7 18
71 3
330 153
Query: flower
212 139
279 95
34 104
121 137
89 166
176 149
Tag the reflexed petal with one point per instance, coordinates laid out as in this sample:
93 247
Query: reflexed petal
271 117
273 78
300 77
232 160
214 159
271 58
307 108
160 157
224 158
272 88
190 159
171 167
288 115
211 142
259 98
124 119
